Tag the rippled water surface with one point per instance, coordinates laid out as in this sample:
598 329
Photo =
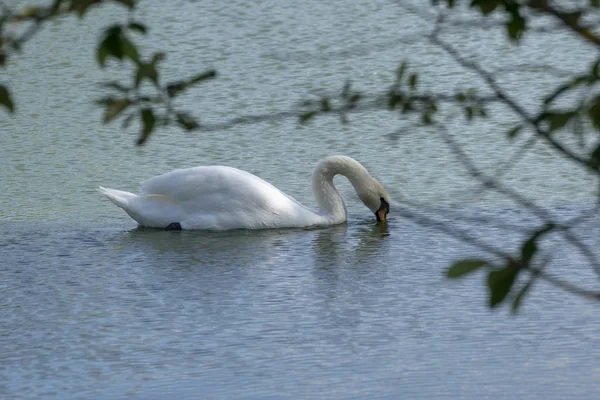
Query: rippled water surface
92 307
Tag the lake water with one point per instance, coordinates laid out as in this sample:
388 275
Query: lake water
93 308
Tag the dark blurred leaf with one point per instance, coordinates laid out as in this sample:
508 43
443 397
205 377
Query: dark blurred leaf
129 49
451 3
325 106
432 106
529 247
5 99
469 112
81 6
486 6
460 97
2 56
113 110
157 57
412 80
594 112
426 118
117 45
145 71
127 3
175 88
515 27
354 99
148 122
400 71
595 68
519 297
308 116
572 18
500 282
465 267
595 158
514 131
595 3
394 99
557 120
186 121
203 76
111 45
136 26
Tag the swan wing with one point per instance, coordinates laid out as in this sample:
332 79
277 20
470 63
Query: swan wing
220 197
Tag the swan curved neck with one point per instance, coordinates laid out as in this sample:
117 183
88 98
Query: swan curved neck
330 202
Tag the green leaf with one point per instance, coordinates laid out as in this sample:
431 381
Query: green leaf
486 6
515 27
5 99
465 267
595 67
595 3
186 121
451 3
308 116
325 106
111 45
127 3
460 97
530 246
148 122
81 6
594 112
394 99
157 57
113 110
203 76
500 282
426 118
146 71
400 71
514 131
519 297
595 158
469 112
557 120
412 80
175 88
572 18
136 26
129 49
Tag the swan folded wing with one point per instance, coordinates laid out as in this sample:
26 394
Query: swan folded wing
218 197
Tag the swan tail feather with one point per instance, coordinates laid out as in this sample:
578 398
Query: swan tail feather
156 211
119 197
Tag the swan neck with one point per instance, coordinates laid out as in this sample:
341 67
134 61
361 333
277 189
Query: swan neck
327 196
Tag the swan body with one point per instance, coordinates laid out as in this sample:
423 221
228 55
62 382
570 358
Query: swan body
223 198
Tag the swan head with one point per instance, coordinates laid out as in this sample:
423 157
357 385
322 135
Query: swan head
376 199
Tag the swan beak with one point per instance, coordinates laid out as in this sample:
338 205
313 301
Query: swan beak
383 210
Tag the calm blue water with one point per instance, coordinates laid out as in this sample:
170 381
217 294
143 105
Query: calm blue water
93 308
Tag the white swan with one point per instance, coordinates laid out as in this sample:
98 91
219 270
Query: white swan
221 198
